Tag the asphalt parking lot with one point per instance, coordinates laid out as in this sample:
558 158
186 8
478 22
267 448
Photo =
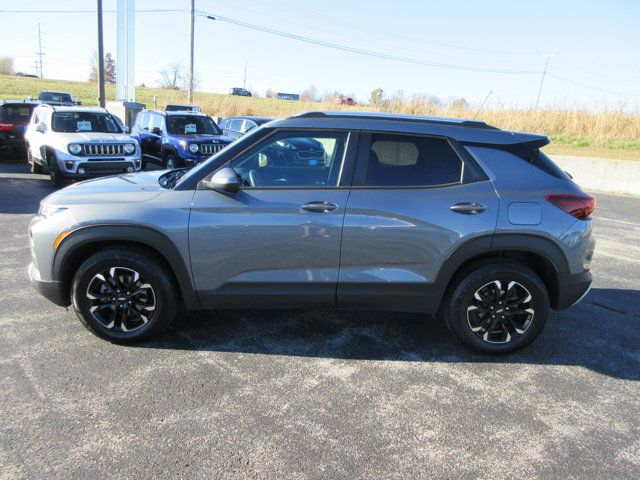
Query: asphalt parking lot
318 394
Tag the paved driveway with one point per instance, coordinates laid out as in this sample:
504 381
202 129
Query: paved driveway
318 394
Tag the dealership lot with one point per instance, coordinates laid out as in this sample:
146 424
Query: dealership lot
318 394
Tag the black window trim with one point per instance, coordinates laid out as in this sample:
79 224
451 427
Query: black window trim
345 175
470 172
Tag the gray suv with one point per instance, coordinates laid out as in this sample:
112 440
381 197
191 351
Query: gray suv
328 209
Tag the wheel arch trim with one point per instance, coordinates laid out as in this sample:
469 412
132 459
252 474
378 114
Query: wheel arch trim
132 234
487 245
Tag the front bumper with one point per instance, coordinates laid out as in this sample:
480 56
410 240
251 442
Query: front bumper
572 287
99 169
51 290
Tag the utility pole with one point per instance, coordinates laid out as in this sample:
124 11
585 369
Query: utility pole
544 72
39 54
244 83
101 94
191 33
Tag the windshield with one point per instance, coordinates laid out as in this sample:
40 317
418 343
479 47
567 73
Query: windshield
191 125
15 113
73 122
55 97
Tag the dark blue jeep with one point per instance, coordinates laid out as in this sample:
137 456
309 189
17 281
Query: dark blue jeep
177 139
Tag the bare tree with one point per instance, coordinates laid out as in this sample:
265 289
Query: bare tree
270 93
6 66
376 97
172 77
310 94
109 68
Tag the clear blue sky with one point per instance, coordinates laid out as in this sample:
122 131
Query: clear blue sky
595 43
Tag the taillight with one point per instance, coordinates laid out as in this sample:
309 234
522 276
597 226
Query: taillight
6 126
579 206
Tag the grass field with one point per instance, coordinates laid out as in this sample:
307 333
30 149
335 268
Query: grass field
573 132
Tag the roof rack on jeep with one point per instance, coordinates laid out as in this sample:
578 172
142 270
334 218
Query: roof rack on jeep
459 122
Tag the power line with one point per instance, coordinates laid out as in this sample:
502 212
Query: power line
314 14
396 58
361 51
152 10
592 87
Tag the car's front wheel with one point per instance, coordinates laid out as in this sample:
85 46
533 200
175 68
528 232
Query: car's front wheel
124 295
171 161
497 308
57 179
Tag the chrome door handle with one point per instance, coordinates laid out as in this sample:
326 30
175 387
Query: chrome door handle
320 207
469 208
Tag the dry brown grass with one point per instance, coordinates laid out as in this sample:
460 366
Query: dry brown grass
575 129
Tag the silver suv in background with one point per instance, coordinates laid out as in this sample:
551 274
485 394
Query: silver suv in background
328 210
235 127
75 143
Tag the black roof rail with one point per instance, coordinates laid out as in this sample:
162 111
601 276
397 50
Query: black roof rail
397 117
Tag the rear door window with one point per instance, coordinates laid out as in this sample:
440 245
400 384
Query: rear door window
411 161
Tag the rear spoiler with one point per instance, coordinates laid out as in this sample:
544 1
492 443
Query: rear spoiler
525 148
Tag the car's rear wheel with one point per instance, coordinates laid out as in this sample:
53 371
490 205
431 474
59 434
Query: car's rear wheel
124 295
497 308
34 166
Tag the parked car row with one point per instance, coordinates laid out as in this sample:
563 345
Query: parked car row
76 143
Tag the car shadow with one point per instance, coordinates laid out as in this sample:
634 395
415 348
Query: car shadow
590 335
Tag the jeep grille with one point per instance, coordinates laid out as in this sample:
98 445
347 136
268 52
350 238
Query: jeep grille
96 149
211 148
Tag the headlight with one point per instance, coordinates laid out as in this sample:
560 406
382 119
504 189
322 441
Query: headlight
75 149
49 210
193 148
129 148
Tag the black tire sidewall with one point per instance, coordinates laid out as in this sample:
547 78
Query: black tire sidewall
54 172
460 299
177 162
157 277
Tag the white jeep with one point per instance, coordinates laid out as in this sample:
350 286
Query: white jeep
75 143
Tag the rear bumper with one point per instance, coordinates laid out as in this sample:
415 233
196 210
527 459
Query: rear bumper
8 143
50 290
572 288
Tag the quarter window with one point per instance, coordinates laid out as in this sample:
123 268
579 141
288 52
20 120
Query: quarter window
294 159
402 160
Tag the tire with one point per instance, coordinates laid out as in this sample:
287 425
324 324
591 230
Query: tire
34 167
126 317
57 179
170 161
511 292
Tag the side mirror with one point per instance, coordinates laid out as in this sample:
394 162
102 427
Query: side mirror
224 180
156 131
77 102
126 129
41 127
